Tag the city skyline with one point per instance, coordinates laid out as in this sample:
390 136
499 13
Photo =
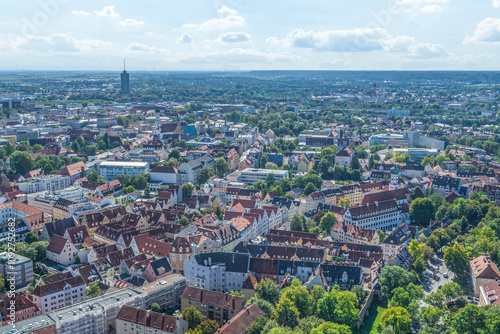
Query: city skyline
239 35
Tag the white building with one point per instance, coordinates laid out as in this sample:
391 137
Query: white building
110 169
45 183
53 296
384 215
140 321
18 266
217 271
252 175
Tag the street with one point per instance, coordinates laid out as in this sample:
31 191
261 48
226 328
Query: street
434 276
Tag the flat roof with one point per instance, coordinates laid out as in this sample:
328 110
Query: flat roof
123 163
264 171
28 325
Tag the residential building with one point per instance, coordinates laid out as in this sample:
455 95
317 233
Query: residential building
252 175
240 322
110 169
15 265
188 172
444 185
342 232
344 157
66 292
217 271
61 250
384 215
395 247
45 183
483 271
23 307
217 306
140 321
183 247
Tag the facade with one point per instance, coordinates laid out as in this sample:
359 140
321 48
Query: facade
444 185
342 232
218 271
483 271
252 175
344 157
16 266
140 321
61 250
188 172
384 215
388 139
217 306
45 183
66 292
166 292
110 169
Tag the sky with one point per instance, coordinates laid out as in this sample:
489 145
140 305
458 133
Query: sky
242 35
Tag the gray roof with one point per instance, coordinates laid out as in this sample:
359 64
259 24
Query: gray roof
234 262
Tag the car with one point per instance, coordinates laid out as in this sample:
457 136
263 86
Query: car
445 275
439 287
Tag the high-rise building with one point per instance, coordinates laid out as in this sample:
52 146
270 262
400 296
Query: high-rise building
125 80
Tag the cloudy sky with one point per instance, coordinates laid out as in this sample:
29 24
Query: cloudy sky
156 35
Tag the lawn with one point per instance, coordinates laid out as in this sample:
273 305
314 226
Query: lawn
372 320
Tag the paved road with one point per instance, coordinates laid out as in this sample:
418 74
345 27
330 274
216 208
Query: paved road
433 277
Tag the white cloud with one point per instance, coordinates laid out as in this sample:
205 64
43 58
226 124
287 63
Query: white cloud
229 19
131 23
239 55
233 37
353 40
81 12
400 44
143 48
487 31
496 3
427 50
59 43
108 11
185 39
432 9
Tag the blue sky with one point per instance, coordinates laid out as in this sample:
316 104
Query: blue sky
157 35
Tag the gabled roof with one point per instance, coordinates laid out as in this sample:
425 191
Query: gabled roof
56 244
483 267
74 169
239 323
217 299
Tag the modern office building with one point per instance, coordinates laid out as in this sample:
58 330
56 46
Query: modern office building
125 80
389 139
252 175
17 266
110 169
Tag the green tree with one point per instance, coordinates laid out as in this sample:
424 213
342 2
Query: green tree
94 177
187 189
301 298
193 317
456 259
451 290
435 299
258 326
21 162
30 238
422 211
221 167
268 290
393 277
270 180
47 169
92 290
129 190
430 315
469 320
183 221
205 175
331 328
208 326
306 325
339 307
417 193
428 160
263 161
155 308
174 154
286 313
327 222
310 188
400 297
236 293
264 305
355 163
345 202
298 223
398 319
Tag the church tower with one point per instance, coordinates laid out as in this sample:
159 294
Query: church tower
394 178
